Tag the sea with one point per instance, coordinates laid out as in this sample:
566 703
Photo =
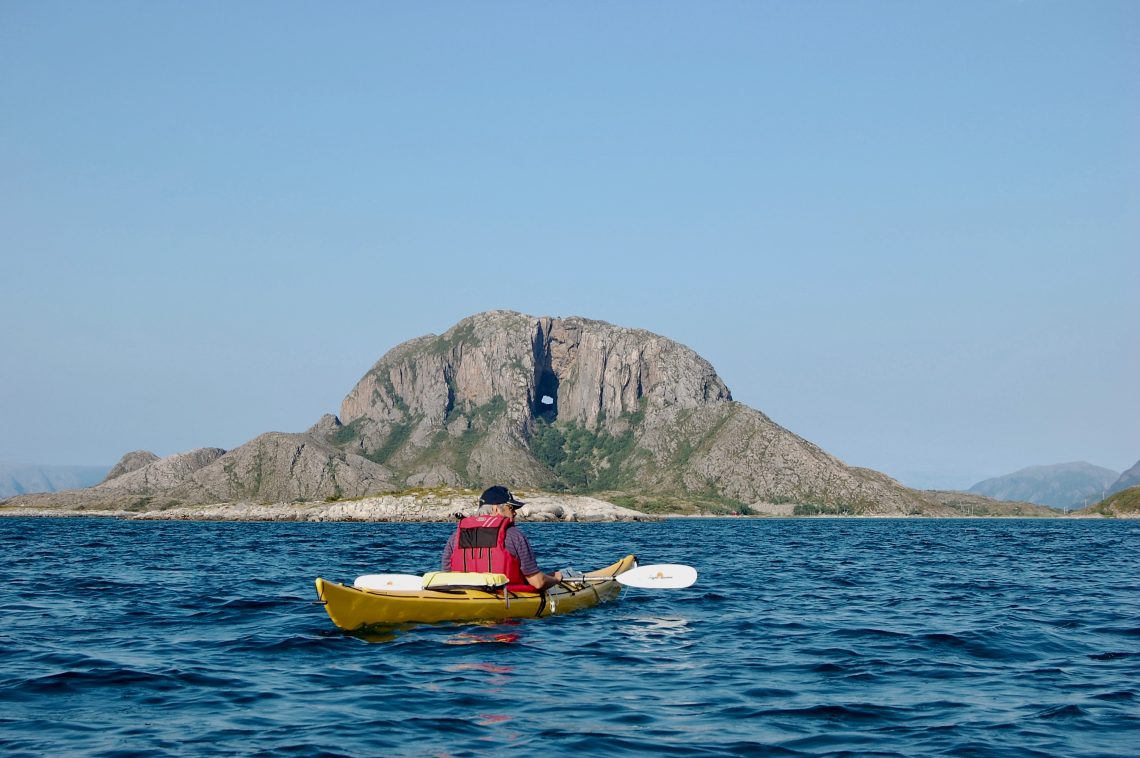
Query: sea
801 637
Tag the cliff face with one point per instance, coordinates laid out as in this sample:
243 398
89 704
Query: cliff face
592 372
564 404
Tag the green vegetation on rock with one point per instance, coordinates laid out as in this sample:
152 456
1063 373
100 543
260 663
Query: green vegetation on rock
463 334
346 434
688 505
1122 503
480 420
582 460
395 440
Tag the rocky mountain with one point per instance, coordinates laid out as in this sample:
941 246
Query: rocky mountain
275 467
558 404
132 461
1129 478
19 478
586 406
1064 485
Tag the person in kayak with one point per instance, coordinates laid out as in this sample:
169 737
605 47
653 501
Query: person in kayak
491 542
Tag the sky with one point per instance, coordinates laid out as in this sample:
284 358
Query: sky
906 231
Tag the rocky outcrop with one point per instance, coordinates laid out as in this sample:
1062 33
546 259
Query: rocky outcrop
587 405
732 451
441 506
132 461
162 475
273 468
278 467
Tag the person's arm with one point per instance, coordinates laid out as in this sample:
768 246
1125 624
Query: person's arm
541 581
519 546
445 560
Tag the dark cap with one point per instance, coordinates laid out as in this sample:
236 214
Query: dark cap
499 495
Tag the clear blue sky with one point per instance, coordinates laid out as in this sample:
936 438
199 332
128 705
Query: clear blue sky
907 231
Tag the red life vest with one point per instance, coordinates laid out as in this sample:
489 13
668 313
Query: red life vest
480 545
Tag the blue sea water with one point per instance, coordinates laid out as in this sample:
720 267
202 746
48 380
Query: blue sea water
802 637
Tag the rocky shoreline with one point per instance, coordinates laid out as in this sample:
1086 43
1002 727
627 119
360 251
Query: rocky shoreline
409 509
396 508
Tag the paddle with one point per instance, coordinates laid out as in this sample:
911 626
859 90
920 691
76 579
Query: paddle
402 582
657 576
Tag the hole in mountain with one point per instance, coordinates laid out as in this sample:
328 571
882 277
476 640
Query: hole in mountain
547 393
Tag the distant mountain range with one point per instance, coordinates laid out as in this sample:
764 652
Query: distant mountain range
21 478
1129 478
1062 485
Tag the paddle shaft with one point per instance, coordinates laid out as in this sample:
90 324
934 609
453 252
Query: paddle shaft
656 577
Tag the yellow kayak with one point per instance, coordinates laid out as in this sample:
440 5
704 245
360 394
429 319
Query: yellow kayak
352 609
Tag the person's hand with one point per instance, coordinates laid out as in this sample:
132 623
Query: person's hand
558 576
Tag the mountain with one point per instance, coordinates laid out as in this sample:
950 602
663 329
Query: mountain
539 403
585 406
19 478
1063 485
1129 478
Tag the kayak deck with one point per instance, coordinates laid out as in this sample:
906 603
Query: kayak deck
352 609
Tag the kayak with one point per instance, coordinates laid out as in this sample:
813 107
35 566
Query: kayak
352 609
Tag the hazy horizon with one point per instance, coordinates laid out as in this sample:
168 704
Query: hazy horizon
917 480
906 232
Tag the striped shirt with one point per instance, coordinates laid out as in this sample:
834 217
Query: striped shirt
516 544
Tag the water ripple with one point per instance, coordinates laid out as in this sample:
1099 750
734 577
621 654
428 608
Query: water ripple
803 638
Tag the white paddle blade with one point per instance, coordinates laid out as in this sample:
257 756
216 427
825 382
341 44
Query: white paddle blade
660 576
401 582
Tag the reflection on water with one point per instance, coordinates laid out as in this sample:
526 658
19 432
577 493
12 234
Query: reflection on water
471 638
650 629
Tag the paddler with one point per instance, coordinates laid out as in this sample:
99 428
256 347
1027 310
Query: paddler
492 543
